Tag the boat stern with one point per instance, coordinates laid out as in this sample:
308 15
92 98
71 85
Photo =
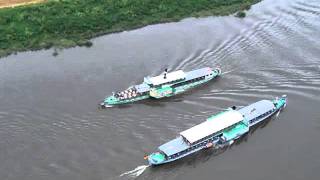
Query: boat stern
156 158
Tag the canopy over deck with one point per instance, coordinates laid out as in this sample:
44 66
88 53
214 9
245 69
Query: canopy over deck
173 76
211 126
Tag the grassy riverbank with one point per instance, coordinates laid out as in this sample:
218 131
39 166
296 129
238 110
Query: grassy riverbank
67 23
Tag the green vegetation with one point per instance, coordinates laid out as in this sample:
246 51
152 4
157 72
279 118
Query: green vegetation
240 14
67 23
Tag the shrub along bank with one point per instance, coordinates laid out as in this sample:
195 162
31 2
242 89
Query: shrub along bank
67 23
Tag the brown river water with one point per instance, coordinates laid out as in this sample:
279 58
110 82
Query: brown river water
51 127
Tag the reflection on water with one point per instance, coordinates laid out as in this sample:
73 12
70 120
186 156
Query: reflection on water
51 126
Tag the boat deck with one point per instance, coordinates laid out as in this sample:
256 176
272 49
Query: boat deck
238 130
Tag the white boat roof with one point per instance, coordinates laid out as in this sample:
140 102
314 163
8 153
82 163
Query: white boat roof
198 73
157 80
212 125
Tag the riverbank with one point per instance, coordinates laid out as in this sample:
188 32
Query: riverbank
68 23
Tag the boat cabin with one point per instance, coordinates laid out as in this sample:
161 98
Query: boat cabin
195 75
174 146
165 78
203 72
254 112
211 126
200 135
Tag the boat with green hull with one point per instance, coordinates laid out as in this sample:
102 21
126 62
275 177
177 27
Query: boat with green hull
164 85
217 131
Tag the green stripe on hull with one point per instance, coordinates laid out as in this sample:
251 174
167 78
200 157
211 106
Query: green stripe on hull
127 100
184 88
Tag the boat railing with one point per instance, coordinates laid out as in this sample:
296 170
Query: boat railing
189 81
260 116
202 143
194 147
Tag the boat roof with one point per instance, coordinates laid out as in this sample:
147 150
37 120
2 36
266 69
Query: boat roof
256 109
212 125
174 146
198 73
172 76
142 88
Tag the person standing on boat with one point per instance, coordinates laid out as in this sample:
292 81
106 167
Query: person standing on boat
165 73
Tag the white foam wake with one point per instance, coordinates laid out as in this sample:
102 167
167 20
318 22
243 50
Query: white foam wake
227 72
135 172
278 114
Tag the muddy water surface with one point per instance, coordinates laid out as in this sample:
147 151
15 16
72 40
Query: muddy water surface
51 127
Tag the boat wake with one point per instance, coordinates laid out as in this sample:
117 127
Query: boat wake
227 72
277 115
108 106
135 172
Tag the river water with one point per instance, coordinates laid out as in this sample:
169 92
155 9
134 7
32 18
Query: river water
51 126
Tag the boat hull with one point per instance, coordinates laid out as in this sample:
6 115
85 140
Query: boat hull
175 91
217 143
277 110
127 101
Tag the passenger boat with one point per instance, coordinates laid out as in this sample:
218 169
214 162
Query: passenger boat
165 85
217 131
